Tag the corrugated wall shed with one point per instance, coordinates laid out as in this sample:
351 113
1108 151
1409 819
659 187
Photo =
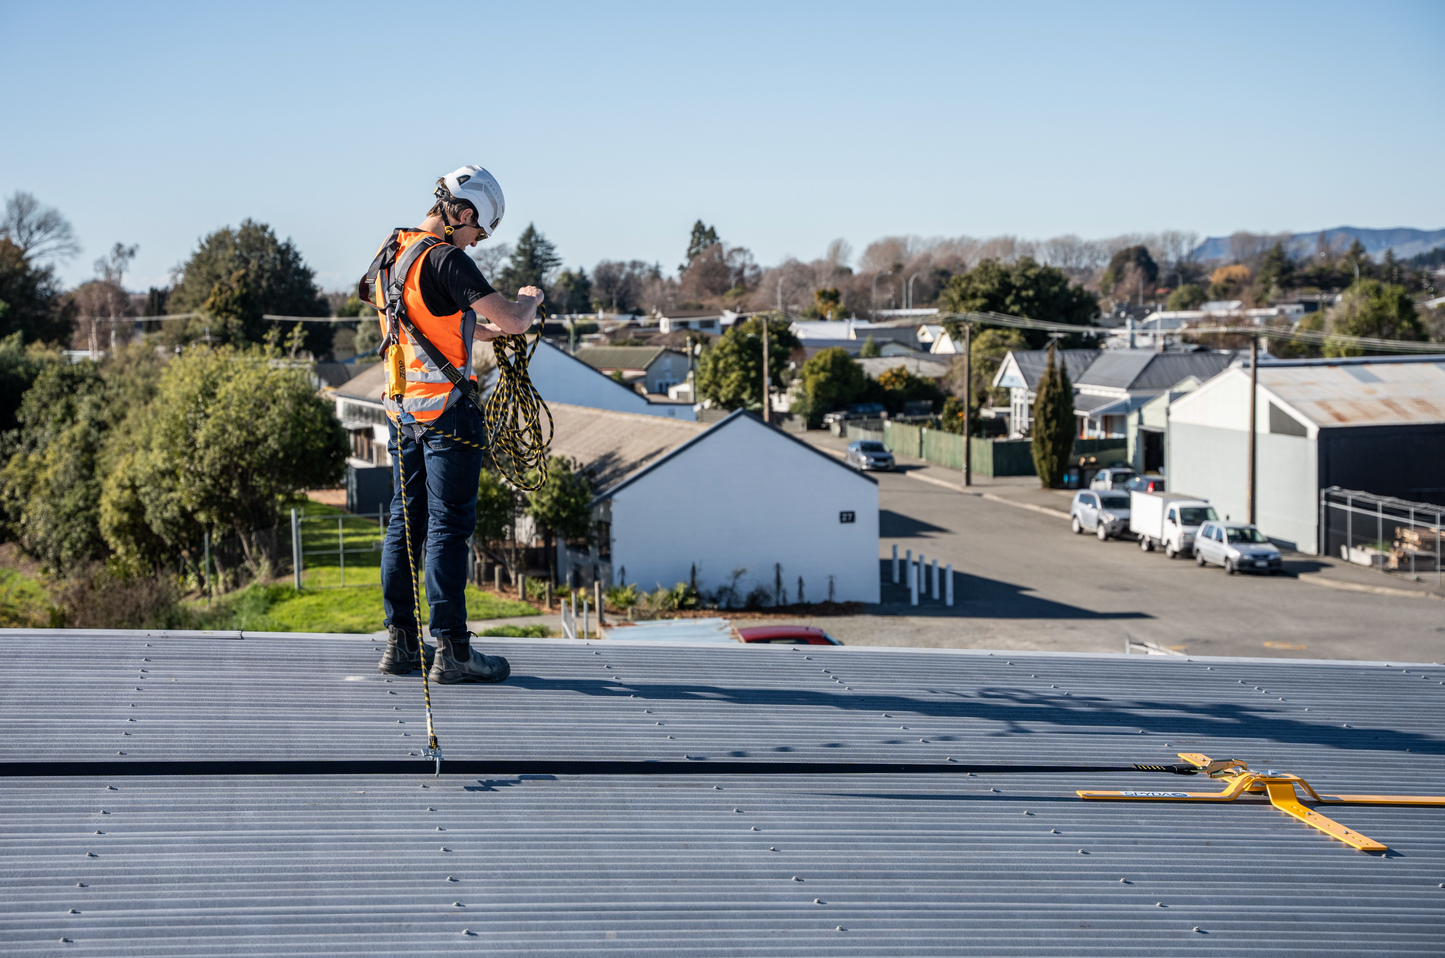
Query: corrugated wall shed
703 863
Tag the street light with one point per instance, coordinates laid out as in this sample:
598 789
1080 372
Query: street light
909 304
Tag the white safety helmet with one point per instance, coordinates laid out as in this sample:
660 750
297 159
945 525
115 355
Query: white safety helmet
479 188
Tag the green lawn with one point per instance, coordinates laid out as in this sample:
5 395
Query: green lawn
23 602
280 608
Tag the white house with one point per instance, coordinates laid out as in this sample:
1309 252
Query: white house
1375 424
561 378
742 503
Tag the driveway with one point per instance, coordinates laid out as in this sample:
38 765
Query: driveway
1023 581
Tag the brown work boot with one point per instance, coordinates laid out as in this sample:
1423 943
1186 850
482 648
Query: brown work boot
456 661
403 652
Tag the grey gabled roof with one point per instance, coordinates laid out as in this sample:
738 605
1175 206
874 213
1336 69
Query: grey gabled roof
735 416
1144 369
622 357
1033 362
703 863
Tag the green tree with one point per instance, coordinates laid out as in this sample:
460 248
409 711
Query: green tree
1375 310
34 306
533 260
562 507
1188 296
1356 256
731 372
277 281
1022 288
702 237
828 304
1053 430
573 293
18 368
66 441
231 435
1132 260
831 380
899 386
870 349
1275 273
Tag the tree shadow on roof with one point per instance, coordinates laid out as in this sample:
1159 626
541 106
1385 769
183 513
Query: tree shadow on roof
1002 712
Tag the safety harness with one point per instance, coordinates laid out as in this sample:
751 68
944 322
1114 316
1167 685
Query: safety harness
511 417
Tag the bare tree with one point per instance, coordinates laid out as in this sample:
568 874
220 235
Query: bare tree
41 232
104 298
489 259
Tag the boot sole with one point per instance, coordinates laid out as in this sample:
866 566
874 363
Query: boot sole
395 670
461 678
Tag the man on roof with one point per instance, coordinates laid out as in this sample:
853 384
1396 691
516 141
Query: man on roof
433 303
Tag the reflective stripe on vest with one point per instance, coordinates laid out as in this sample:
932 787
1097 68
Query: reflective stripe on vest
428 392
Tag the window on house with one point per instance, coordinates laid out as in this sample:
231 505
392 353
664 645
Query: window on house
604 540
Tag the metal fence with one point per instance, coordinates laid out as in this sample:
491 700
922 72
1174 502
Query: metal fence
1395 536
321 545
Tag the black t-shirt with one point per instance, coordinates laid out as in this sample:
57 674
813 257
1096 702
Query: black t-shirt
450 281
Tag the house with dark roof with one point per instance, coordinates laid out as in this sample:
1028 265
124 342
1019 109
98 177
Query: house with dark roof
655 368
1021 372
739 506
1119 382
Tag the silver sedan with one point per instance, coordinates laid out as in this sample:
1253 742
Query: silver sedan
866 454
1238 546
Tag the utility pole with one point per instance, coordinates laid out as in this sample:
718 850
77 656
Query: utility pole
767 379
1253 394
967 408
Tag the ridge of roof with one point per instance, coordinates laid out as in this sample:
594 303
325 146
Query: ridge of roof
714 429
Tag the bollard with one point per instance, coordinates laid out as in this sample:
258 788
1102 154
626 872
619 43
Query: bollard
912 584
549 595
522 587
895 565
948 585
597 589
935 580
497 574
585 628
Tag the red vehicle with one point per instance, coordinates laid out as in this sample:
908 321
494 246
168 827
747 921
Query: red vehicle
786 635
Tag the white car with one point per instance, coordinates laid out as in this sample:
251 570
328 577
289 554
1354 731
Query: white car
1238 546
1113 477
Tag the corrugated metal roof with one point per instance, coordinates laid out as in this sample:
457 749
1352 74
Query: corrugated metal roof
1032 363
1142 369
705 864
1360 394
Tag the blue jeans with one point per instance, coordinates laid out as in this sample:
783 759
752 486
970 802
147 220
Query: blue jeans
441 496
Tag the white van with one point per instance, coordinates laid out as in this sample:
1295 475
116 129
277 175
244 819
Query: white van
1168 519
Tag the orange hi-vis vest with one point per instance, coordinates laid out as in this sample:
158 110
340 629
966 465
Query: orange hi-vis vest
418 388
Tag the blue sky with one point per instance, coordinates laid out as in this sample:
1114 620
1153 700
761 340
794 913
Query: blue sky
614 126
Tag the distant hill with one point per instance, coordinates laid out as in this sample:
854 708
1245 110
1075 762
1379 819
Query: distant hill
1405 242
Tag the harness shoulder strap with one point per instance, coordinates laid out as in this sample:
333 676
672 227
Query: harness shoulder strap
397 305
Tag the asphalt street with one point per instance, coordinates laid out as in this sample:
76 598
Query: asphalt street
1024 581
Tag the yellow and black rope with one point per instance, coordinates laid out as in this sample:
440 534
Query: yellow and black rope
512 422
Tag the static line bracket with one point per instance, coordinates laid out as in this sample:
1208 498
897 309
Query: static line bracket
1283 791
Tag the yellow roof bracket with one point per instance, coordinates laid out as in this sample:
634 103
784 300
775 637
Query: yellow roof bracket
1281 789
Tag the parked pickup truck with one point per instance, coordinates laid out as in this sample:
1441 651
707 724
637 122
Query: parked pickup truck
1168 519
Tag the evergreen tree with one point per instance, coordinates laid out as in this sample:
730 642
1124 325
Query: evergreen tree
702 237
870 349
533 259
1053 430
1023 288
574 292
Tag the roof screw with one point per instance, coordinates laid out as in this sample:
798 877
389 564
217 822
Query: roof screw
445 849
72 912
796 878
840 927
1196 927
992 789
817 901
1028 812
80 884
99 832
90 855
1082 852
772 848
430 809
440 829
1158 904
467 931
64 941
110 788
755 828
457 904
1123 881
450 878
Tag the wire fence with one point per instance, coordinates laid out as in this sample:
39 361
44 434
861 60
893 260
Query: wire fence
337 551
1394 536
